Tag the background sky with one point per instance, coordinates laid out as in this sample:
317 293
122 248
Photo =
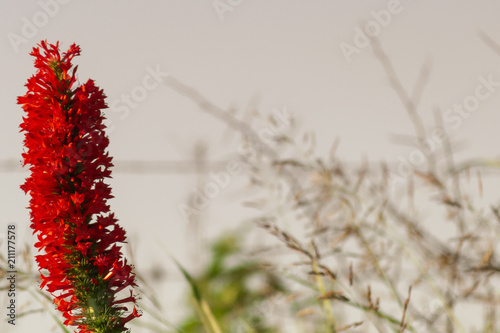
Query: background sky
283 54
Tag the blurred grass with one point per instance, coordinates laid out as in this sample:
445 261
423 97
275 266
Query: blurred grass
228 288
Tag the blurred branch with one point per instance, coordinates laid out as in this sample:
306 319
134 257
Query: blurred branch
490 42
139 167
206 105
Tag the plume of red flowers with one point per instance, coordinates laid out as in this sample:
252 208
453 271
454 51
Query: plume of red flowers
82 265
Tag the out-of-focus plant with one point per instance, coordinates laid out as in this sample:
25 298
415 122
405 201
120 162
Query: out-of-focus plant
369 256
235 288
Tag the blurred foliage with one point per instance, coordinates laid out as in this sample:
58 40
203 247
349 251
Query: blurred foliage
235 289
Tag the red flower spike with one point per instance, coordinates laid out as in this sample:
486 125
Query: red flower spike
66 149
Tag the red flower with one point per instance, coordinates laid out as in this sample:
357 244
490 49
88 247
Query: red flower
82 266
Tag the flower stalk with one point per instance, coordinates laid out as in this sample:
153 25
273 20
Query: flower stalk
80 261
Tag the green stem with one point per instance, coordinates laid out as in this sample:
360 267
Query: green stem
326 303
